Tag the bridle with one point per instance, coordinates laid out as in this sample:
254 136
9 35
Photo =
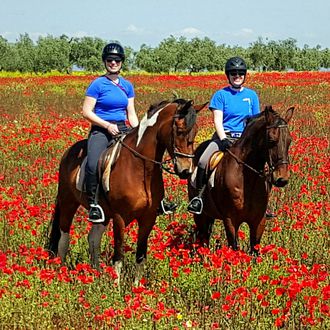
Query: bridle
282 161
162 164
269 161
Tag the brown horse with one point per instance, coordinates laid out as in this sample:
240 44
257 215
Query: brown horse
136 183
241 185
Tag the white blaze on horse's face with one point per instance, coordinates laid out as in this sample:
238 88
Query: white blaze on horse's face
145 122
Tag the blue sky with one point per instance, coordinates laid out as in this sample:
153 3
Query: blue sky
137 22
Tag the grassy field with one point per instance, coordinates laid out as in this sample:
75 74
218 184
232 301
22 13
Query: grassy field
185 287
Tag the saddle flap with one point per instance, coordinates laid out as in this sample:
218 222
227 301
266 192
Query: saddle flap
109 157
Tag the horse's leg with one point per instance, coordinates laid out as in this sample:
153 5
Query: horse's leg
256 231
94 241
55 233
66 216
231 233
119 235
204 226
145 228
62 219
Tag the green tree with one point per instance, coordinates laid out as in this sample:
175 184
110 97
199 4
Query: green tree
86 53
4 53
23 54
146 59
53 54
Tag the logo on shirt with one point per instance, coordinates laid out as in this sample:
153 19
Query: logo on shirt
248 100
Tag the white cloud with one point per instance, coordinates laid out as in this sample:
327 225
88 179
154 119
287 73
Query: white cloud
244 32
134 29
79 34
189 32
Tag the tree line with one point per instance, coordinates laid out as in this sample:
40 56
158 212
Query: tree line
173 54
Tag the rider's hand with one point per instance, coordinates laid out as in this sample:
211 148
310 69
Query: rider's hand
225 144
113 129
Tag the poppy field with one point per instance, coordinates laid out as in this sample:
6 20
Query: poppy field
185 286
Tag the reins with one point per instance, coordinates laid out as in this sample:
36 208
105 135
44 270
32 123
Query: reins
133 151
269 162
239 161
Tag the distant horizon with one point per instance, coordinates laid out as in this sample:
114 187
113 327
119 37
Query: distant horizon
149 22
265 41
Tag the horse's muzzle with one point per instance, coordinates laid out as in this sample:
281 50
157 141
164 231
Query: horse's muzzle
281 182
184 174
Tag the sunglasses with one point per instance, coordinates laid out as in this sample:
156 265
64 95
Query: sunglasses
117 59
237 73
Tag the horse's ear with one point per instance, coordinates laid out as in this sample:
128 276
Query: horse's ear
289 114
200 107
269 114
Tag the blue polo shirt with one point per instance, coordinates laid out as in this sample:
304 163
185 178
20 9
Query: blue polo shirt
236 107
111 100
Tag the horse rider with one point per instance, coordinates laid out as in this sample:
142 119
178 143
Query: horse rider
109 107
230 107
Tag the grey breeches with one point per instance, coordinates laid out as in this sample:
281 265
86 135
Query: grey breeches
211 149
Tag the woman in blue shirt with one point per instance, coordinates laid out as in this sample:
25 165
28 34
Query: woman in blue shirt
109 107
230 107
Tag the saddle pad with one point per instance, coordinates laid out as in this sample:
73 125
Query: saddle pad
210 181
193 177
80 178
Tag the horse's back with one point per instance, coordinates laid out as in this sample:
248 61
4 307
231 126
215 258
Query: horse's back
71 161
75 154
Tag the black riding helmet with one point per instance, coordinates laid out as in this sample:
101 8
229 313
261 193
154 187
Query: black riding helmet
113 48
235 64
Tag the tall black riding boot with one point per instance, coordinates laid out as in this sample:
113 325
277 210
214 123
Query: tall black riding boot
196 204
95 214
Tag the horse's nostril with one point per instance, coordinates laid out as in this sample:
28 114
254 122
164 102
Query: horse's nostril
280 182
184 174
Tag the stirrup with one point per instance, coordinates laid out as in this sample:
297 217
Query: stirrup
269 214
166 208
99 217
192 208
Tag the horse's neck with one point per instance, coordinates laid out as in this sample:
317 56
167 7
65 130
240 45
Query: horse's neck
251 150
145 143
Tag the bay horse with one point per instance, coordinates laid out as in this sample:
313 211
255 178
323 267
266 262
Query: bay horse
136 183
241 183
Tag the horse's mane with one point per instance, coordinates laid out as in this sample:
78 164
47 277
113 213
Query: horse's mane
260 117
190 116
156 106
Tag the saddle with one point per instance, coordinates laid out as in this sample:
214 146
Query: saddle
214 160
106 161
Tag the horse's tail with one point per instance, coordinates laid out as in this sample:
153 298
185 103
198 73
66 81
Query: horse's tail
55 233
